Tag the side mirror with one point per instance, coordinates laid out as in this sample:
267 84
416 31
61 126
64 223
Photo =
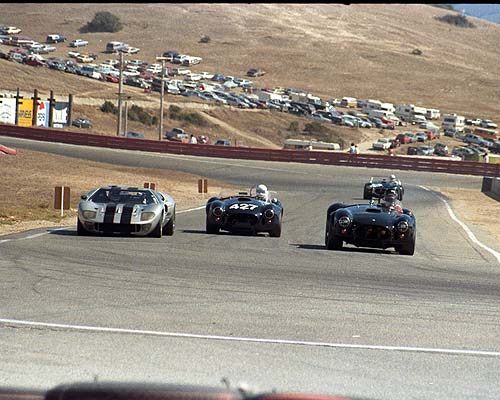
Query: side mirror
84 197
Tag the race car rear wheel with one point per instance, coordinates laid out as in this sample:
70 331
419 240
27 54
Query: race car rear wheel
157 231
334 242
407 249
276 232
168 229
211 228
367 192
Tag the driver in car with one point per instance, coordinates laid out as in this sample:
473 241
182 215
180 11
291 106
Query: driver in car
391 203
261 193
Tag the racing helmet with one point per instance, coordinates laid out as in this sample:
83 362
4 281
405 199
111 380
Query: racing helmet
393 177
390 198
261 192
114 195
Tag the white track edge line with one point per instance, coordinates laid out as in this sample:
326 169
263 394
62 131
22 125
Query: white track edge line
13 322
467 230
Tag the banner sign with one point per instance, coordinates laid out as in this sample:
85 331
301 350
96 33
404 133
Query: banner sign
8 111
43 114
25 112
60 114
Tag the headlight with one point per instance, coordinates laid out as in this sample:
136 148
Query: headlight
217 211
87 214
344 221
269 214
402 226
145 216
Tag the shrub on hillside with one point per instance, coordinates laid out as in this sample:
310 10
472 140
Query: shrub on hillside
417 52
103 21
109 107
137 113
193 118
294 126
457 20
205 39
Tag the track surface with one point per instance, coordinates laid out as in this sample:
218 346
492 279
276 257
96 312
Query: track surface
445 297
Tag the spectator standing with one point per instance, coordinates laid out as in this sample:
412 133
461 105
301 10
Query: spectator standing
486 157
192 140
352 149
356 149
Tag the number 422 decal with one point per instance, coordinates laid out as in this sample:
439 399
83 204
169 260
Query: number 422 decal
243 206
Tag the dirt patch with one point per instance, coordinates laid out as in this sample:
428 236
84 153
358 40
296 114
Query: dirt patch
28 203
465 204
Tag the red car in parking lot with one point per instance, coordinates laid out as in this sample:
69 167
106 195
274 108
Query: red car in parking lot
403 139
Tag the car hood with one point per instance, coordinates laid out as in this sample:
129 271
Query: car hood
243 204
373 216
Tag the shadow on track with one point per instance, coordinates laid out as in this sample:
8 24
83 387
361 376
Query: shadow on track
63 232
344 249
223 233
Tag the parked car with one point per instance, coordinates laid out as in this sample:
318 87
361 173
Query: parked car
403 139
420 136
488 123
177 135
451 132
255 72
462 152
470 121
223 142
218 78
382 144
411 136
471 138
425 150
82 123
78 43
55 38
56 64
441 149
134 135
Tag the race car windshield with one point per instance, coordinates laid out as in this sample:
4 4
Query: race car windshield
123 196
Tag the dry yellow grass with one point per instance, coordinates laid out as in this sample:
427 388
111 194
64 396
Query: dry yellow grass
332 50
31 177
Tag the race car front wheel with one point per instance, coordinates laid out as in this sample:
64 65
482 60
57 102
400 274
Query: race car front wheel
276 231
211 228
80 230
168 229
334 242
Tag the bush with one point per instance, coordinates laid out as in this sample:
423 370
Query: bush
193 118
417 52
457 20
136 113
315 127
109 107
103 21
294 126
205 39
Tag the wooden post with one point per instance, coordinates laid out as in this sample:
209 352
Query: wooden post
34 118
17 105
70 107
51 109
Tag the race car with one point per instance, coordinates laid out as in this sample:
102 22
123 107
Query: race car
382 225
246 212
378 186
127 210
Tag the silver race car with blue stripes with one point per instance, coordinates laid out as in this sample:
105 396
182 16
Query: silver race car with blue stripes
126 210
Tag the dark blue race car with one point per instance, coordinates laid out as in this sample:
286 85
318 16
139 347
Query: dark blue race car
246 212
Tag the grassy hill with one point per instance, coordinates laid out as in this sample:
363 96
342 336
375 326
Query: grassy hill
331 50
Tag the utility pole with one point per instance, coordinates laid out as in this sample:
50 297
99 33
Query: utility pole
162 93
120 89
126 116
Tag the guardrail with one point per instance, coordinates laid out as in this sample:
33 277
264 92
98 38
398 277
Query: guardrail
301 156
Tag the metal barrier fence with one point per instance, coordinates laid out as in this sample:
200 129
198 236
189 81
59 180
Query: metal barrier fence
430 164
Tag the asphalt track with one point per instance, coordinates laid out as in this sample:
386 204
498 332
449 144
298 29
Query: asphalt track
280 313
